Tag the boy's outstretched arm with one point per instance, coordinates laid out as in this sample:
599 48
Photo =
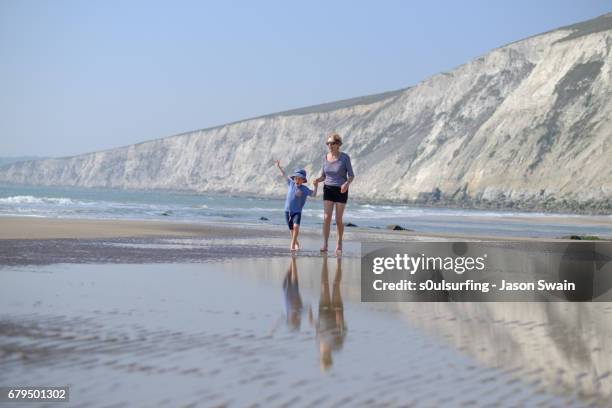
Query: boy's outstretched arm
277 162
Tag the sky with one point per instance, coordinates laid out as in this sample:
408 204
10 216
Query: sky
82 76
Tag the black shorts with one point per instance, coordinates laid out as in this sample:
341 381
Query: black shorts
294 218
332 193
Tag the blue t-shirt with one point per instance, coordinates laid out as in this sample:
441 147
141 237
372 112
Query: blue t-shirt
296 196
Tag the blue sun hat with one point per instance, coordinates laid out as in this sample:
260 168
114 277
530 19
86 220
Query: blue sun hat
299 173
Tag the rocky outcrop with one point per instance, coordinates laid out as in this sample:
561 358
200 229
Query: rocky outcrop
526 126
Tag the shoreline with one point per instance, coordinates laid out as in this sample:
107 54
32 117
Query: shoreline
16 227
40 228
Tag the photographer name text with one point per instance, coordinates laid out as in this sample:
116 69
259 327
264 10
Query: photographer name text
471 285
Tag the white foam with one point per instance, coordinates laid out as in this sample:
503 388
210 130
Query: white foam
28 199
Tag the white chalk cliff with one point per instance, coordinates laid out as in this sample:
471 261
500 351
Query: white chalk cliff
528 125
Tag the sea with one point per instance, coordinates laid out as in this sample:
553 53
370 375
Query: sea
69 202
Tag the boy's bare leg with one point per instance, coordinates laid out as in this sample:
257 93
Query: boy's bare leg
297 243
296 231
328 209
294 275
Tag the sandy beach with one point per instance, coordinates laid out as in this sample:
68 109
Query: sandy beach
39 241
55 228
225 333
78 228
172 314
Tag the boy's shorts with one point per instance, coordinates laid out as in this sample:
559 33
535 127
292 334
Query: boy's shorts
293 218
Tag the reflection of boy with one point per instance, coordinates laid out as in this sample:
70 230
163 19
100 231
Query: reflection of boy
293 300
297 193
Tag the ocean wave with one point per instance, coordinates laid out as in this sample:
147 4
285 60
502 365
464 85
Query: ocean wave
23 215
377 207
249 209
28 199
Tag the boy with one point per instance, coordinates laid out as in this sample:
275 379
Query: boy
297 193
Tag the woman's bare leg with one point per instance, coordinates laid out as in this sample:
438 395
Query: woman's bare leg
328 208
325 298
336 295
339 224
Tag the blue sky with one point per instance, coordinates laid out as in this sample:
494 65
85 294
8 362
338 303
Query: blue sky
80 76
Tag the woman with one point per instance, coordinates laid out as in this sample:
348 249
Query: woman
330 324
337 174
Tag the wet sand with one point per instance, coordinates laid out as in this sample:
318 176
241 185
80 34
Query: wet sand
74 228
57 228
42 241
167 314
275 332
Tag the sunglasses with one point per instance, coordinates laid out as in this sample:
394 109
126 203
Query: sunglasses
331 143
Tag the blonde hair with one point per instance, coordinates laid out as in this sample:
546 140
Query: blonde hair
335 137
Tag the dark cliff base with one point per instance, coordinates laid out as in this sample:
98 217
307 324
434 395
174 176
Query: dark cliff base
547 206
437 199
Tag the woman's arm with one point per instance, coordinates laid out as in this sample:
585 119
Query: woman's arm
349 173
345 186
349 167
316 186
322 176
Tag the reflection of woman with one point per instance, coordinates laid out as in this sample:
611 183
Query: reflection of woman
337 172
330 326
293 300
